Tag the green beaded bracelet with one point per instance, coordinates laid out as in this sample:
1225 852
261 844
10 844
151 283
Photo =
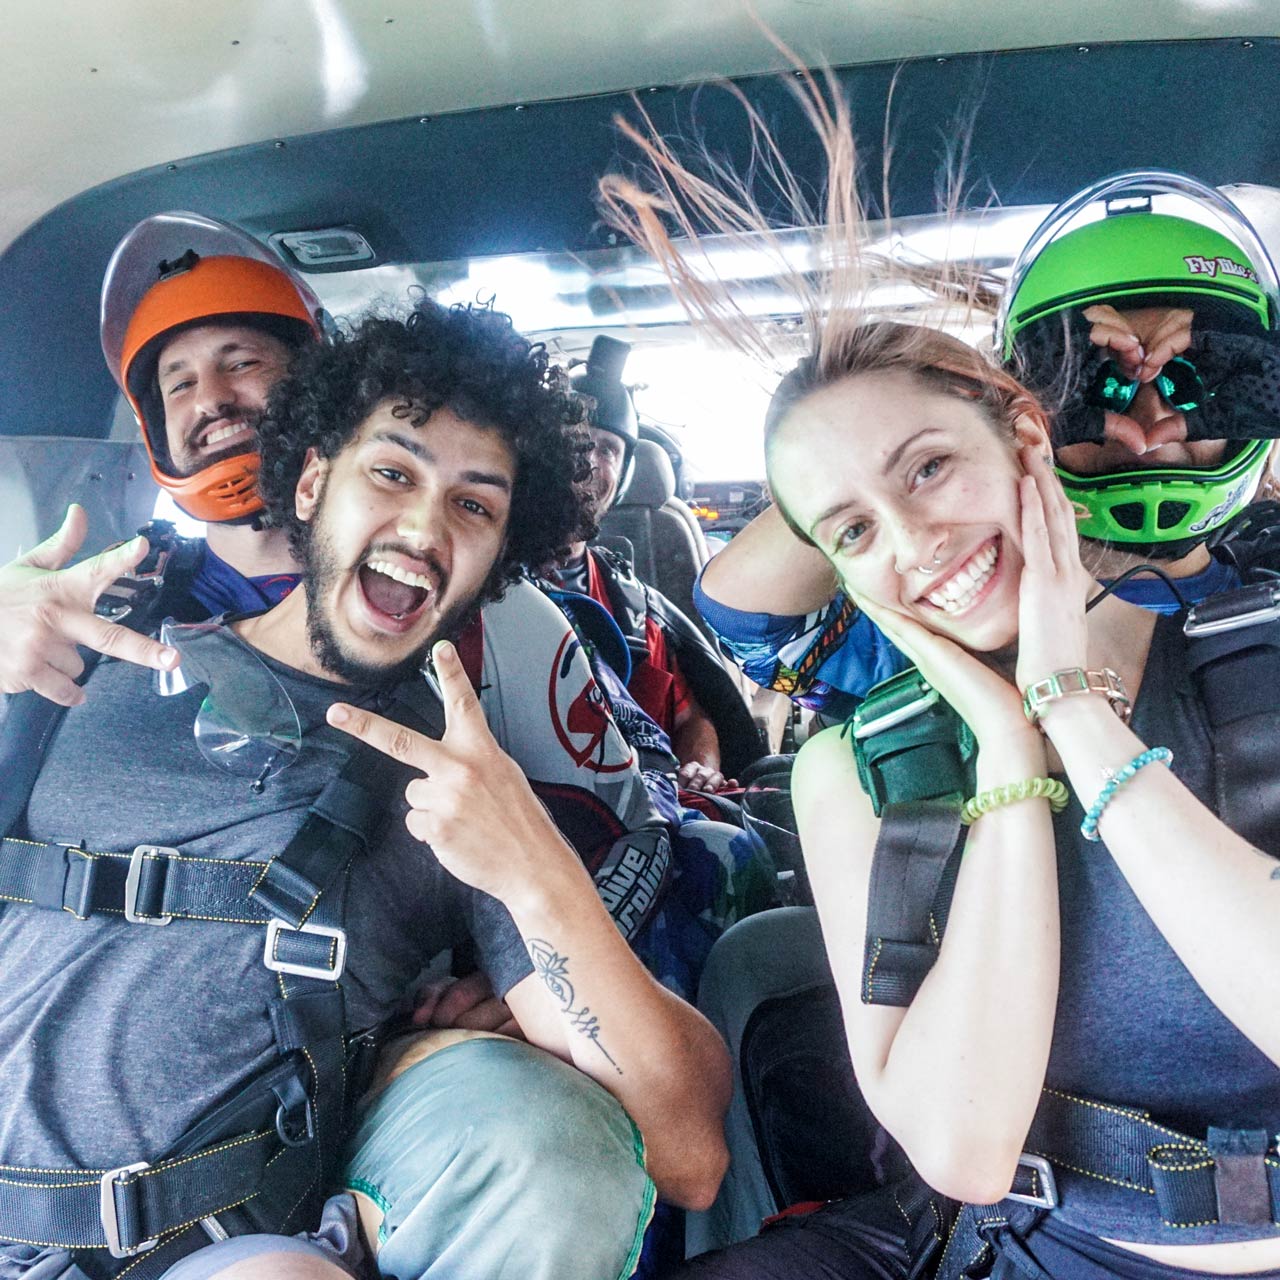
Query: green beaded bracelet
1032 789
1115 779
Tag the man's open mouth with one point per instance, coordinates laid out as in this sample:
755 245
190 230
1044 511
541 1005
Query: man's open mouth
394 594
220 435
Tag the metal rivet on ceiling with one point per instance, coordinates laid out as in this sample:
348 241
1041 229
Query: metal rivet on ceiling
939 61
93 71
235 42
519 106
1248 44
1082 48
388 20
424 119
280 144
173 168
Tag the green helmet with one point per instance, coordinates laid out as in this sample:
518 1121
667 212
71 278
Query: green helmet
1132 258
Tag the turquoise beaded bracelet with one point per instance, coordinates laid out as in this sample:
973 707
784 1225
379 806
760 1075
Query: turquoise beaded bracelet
1115 779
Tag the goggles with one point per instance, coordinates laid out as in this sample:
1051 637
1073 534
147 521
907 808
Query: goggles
1178 382
247 724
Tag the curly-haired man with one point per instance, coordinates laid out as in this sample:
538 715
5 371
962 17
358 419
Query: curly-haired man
206 1066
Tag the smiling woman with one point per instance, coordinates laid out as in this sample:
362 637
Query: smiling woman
921 471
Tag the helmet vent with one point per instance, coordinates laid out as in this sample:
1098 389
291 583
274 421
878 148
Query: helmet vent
1128 515
1171 514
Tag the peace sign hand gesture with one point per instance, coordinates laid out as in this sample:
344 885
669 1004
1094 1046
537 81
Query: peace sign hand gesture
46 610
473 805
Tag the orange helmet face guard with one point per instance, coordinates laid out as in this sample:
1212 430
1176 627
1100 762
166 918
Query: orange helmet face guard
235 290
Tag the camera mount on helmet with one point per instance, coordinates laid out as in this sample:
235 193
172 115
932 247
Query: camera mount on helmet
608 402
175 271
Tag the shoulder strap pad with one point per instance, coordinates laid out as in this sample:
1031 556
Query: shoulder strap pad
915 760
909 744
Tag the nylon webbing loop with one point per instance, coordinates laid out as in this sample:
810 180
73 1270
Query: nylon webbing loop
73 1208
913 874
341 823
1126 1148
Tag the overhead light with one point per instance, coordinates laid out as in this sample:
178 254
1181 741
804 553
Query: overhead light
325 249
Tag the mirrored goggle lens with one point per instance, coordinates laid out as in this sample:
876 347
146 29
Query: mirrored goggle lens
247 724
1179 384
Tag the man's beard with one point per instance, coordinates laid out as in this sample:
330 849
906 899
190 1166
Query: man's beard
321 570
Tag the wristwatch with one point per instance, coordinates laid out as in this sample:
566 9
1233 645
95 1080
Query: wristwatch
1065 684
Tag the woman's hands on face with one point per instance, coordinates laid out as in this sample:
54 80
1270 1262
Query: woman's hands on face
1052 633
1051 620
982 698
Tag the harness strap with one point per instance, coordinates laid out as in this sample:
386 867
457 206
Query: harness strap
1126 1148
1238 673
123 1209
913 873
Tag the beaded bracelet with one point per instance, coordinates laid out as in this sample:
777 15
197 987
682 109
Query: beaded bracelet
1115 779
1032 789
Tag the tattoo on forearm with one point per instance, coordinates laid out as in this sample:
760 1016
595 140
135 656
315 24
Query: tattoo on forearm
553 969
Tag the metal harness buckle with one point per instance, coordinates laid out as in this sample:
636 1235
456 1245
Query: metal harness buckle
1232 610
896 715
331 972
110 1218
123 596
1043 1170
133 881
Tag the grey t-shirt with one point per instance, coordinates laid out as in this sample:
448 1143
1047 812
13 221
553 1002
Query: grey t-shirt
116 1038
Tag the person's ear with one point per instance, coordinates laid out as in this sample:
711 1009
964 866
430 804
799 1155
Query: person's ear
1031 430
306 497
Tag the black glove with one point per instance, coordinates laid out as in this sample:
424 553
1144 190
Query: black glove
1242 373
1055 359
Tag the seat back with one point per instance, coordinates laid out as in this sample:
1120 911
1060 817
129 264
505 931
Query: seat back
668 543
41 475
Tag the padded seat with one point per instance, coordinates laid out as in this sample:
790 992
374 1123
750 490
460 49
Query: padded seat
669 546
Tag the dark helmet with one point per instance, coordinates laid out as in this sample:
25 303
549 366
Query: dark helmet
608 402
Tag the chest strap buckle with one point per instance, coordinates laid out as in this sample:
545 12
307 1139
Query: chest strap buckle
133 882
110 1215
304 952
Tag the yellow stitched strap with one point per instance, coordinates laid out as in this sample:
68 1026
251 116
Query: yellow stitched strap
1049 789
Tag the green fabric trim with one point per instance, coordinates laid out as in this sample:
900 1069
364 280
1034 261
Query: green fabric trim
368 1189
646 1209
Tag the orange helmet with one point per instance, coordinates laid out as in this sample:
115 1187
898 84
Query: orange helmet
173 272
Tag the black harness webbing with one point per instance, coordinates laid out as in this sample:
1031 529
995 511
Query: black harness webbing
1238 673
260 1161
913 875
1232 1178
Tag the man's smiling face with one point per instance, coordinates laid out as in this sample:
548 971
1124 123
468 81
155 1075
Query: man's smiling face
406 524
214 381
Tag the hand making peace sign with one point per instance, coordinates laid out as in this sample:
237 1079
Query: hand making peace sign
473 805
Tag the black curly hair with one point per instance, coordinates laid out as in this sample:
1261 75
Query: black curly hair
469 360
